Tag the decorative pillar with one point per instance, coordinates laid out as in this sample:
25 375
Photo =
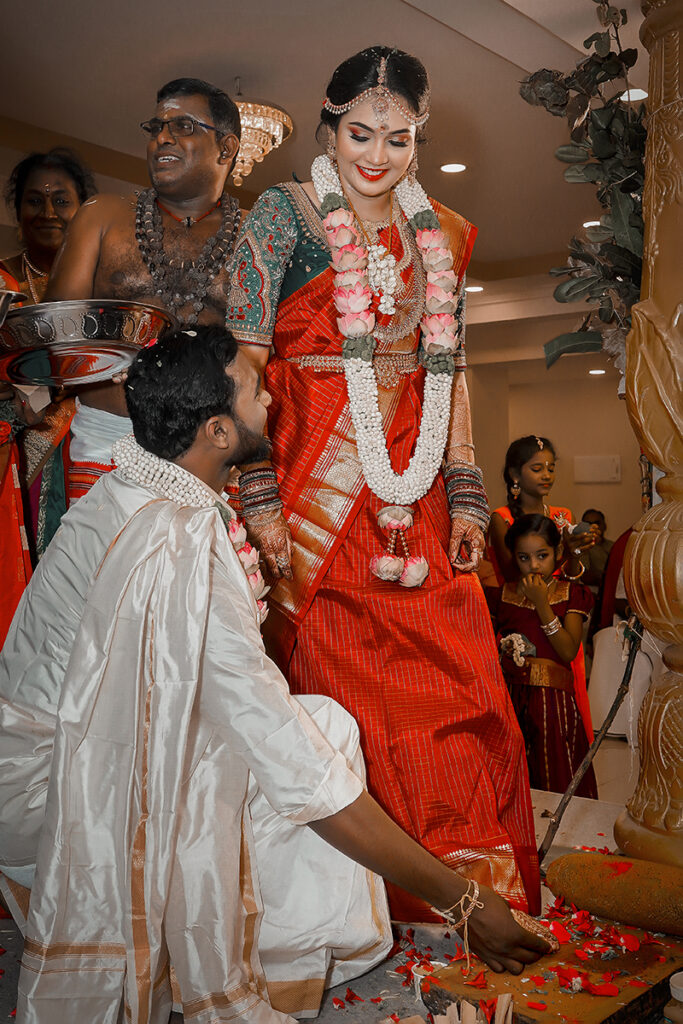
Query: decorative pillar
651 826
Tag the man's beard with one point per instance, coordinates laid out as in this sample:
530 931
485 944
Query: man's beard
252 446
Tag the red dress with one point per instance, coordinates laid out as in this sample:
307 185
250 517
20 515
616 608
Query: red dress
542 690
416 667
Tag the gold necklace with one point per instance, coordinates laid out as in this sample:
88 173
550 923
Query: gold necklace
376 226
31 273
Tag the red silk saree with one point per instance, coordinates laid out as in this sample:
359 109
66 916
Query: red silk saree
416 667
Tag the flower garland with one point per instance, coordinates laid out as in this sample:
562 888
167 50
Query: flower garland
171 481
353 298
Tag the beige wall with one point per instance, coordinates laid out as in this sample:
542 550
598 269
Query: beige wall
580 414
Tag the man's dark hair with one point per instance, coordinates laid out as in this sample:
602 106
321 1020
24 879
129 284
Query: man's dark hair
224 112
58 159
594 512
177 384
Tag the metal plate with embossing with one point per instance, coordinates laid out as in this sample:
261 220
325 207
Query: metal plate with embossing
76 341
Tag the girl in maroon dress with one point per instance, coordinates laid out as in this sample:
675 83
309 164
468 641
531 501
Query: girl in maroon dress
539 621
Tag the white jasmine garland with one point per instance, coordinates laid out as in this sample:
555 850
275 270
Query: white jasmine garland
424 464
361 379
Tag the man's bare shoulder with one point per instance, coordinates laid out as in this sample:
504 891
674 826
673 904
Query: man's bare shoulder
107 208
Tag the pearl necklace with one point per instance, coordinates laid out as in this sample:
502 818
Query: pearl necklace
171 481
168 479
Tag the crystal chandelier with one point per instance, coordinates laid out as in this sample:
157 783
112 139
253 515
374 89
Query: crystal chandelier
264 127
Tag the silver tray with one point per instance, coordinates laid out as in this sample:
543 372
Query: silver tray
79 341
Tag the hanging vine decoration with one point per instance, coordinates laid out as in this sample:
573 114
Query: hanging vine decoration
607 150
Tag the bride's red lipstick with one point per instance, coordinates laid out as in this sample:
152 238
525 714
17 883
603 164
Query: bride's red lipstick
371 177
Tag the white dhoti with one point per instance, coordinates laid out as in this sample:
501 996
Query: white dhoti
93 434
172 831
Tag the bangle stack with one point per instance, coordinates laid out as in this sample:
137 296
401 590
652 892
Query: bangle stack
552 627
466 493
259 491
463 911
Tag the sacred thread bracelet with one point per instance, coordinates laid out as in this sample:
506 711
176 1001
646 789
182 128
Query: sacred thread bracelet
463 913
466 493
259 491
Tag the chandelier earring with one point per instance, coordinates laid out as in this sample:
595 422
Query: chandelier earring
515 490
411 173
331 146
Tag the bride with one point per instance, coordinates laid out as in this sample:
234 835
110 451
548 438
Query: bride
348 294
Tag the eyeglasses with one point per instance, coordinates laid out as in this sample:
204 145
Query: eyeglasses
178 127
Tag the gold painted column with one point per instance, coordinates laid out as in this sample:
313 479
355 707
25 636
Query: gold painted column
651 826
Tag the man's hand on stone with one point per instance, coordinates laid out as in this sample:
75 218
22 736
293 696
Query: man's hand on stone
498 940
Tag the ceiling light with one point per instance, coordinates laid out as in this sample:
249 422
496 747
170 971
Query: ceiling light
633 94
591 223
474 288
264 128
597 373
453 168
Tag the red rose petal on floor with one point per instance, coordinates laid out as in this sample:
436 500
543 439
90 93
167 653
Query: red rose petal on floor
410 934
581 954
376 999
537 979
351 997
631 942
601 990
637 983
537 1006
338 1004
559 931
478 981
395 1017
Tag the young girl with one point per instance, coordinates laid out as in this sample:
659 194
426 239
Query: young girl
538 621
529 475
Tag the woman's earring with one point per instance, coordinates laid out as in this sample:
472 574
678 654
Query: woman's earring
411 173
515 490
330 148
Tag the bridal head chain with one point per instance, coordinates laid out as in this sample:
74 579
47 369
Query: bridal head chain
169 480
353 295
381 97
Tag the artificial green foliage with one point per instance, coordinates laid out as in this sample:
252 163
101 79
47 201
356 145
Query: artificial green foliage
333 201
606 150
359 348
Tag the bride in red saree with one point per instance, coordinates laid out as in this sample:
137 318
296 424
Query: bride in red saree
348 292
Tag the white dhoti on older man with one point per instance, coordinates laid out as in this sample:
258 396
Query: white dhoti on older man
156 778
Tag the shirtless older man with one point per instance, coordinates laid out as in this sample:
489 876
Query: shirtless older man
169 245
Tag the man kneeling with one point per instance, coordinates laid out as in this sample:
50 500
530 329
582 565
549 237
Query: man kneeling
182 773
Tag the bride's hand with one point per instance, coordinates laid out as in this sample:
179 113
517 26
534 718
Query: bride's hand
466 546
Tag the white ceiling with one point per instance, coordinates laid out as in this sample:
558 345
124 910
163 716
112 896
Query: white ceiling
90 71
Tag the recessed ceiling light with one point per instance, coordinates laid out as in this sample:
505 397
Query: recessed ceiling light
453 168
597 373
633 94
591 223
474 288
